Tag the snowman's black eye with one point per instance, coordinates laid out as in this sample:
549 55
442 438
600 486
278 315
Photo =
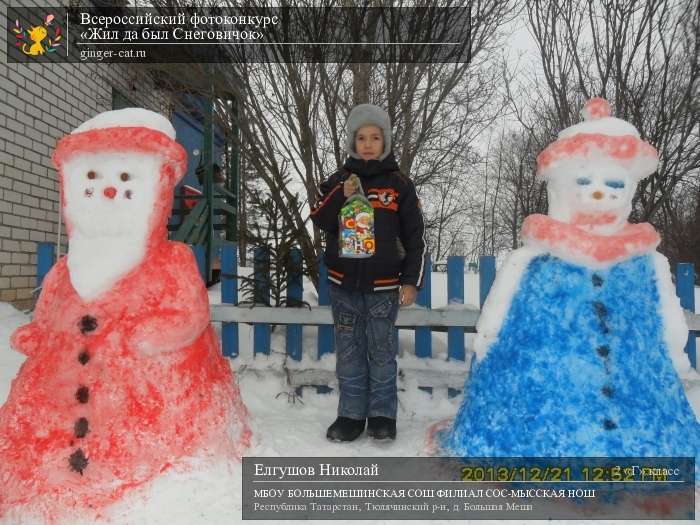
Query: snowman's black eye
124 176
91 175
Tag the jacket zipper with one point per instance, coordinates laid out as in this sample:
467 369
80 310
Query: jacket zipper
361 262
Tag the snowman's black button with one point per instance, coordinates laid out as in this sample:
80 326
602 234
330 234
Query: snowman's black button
603 351
597 280
607 391
609 424
87 324
81 427
77 461
83 357
82 394
600 309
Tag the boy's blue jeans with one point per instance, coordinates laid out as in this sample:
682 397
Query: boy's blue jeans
366 347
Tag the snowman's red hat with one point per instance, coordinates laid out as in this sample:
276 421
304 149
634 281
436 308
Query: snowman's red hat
126 130
599 135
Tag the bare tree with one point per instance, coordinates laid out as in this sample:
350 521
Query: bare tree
509 190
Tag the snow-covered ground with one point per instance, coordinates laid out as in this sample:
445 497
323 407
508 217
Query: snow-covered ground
281 427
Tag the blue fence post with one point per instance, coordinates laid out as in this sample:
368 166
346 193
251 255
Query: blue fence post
487 274
261 297
201 256
685 289
229 295
455 295
423 338
295 295
45 253
326 344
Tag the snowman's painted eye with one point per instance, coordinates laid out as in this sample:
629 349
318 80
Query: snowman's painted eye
124 176
615 184
583 181
91 175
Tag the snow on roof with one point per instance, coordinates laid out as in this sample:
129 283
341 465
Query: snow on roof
128 117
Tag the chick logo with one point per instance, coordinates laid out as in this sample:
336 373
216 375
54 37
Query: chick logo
36 36
386 198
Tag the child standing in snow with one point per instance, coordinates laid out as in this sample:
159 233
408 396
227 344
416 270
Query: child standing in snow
366 293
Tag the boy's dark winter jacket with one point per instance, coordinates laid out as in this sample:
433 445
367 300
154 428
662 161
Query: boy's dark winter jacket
397 217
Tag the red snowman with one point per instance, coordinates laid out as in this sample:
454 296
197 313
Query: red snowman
124 376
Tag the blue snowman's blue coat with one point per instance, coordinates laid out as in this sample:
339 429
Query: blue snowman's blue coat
539 390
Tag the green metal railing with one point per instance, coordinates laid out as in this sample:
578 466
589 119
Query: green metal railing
201 225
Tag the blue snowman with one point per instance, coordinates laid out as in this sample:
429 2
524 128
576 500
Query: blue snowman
580 345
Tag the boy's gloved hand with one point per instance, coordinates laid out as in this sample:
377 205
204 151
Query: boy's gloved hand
351 185
408 294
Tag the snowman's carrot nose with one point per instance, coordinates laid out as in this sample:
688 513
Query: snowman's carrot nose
110 192
596 195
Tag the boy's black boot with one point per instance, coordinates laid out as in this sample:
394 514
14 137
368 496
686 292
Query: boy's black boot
345 429
381 427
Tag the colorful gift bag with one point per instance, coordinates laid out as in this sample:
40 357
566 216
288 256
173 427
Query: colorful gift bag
356 219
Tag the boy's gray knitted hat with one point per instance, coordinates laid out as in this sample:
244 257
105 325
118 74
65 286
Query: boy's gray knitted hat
367 115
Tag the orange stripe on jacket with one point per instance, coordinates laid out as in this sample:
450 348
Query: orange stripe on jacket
324 201
337 274
392 206
385 281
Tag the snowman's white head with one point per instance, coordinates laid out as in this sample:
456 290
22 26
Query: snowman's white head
117 173
110 194
597 196
593 168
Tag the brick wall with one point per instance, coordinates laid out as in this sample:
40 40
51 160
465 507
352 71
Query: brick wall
39 103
